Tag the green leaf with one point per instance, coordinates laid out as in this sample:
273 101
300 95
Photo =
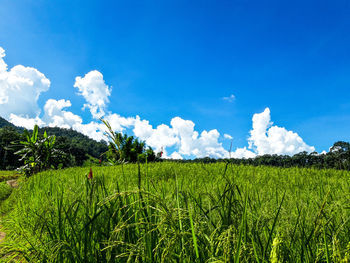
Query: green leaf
35 134
193 235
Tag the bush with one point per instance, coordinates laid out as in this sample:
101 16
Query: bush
39 154
127 149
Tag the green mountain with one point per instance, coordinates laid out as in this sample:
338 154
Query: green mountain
79 146
76 141
5 123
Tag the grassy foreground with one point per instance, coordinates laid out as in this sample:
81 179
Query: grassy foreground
6 189
169 212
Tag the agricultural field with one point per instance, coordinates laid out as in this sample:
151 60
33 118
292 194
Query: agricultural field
6 179
171 212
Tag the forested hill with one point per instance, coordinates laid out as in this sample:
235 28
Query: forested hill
80 147
5 123
91 146
82 150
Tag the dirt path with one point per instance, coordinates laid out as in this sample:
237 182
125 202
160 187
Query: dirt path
14 184
2 235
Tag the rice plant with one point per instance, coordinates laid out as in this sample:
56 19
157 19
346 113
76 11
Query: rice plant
170 212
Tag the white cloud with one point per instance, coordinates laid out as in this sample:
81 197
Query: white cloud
95 91
25 122
228 136
20 88
267 139
93 130
161 137
119 123
243 153
176 156
208 145
143 129
3 65
55 116
230 98
184 130
181 135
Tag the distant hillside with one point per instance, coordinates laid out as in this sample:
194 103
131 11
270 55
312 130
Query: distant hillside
78 145
5 123
70 136
65 133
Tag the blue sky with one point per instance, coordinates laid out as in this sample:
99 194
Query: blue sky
164 59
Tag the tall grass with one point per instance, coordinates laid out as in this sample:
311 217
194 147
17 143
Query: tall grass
168 212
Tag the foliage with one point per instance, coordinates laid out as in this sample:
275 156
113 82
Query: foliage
4 123
8 159
5 191
337 158
126 149
79 146
180 213
39 154
82 150
75 145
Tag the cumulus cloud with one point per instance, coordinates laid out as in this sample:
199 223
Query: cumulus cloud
180 134
161 137
55 116
92 129
230 98
95 91
120 123
20 88
267 139
242 153
176 155
25 122
3 65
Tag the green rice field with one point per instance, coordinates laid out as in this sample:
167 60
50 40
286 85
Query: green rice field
172 212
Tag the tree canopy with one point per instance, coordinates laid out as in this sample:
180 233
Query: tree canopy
121 147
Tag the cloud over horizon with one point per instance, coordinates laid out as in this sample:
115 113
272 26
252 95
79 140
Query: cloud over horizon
267 139
177 140
20 89
95 91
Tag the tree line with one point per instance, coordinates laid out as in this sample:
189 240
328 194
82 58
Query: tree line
338 157
80 150
48 147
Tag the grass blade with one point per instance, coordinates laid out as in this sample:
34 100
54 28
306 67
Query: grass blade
194 235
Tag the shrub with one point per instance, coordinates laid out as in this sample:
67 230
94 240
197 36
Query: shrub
126 149
39 154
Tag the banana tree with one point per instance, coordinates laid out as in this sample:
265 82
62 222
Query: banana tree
39 154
